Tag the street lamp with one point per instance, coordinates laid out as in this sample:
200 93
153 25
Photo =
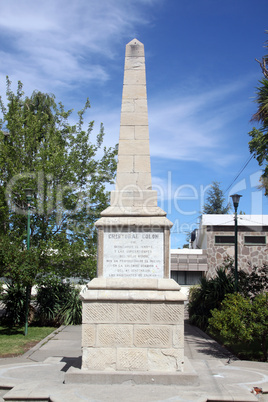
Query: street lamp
28 193
236 198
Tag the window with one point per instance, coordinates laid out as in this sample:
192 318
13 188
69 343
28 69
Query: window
186 277
224 239
255 240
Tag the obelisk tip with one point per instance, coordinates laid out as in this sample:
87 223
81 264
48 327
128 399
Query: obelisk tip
135 48
135 42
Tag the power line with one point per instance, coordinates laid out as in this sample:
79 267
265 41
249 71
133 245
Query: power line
245 165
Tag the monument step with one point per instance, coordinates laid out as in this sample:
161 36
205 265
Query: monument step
187 377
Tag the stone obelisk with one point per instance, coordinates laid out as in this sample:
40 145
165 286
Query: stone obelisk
133 314
133 195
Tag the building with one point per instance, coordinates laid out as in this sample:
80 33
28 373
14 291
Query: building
214 240
188 265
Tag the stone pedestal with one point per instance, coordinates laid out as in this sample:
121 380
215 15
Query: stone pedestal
133 325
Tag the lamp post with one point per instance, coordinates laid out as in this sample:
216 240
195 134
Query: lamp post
236 198
28 193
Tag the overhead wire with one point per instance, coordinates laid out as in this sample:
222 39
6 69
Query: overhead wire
241 170
233 181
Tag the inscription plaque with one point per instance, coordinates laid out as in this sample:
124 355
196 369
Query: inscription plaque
133 254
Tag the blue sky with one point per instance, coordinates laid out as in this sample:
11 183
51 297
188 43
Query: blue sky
201 80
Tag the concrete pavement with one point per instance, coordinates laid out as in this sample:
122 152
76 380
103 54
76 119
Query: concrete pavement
41 372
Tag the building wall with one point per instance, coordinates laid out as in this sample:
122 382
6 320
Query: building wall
204 256
190 260
248 255
188 266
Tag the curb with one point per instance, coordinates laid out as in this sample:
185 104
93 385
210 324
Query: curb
29 352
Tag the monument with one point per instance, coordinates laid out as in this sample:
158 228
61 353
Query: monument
133 313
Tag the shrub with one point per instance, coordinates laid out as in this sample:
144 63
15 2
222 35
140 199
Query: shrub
57 302
71 312
208 296
14 298
211 292
242 319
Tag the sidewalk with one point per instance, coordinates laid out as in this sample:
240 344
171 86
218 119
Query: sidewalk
39 374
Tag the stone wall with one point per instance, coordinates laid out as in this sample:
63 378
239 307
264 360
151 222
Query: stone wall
248 255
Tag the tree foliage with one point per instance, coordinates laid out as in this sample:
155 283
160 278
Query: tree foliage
215 201
258 145
68 169
253 283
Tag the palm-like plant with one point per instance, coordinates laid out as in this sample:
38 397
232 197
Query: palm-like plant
14 298
71 312
209 296
258 145
261 116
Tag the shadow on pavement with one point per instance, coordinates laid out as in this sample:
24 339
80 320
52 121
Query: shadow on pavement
71 362
203 346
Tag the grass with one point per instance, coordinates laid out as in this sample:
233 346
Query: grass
13 342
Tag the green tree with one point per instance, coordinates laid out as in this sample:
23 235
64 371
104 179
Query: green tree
215 201
258 145
69 169
240 319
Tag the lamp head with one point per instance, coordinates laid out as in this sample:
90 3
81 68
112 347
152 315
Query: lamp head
28 193
236 198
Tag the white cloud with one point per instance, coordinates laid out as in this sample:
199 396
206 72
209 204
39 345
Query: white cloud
57 41
194 128
57 45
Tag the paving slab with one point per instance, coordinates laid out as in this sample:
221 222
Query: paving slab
198 345
40 374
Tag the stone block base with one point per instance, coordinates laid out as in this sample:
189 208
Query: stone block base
187 377
133 325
